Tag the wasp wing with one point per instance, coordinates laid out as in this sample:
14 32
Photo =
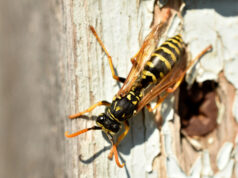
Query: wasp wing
178 71
144 54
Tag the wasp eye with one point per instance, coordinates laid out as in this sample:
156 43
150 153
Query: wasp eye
100 119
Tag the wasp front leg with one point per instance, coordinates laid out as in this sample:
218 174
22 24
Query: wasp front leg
120 138
120 79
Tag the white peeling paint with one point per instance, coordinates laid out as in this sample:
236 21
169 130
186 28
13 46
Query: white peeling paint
166 133
231 71
227 171
196 169
172 165
195 143
224 155
216 23
173 169
167 110
210 26
206 166
221 32
174 28
196 23
146 12
221 111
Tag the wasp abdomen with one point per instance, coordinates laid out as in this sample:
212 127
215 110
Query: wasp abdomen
162 61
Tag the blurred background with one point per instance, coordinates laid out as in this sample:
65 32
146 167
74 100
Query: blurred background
30 129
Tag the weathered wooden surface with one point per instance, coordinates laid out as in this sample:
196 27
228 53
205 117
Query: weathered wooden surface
118 23
90 81
51 66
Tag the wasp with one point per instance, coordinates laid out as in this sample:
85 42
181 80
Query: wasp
155 72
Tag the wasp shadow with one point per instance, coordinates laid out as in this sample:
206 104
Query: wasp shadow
94 156
97 154
141 128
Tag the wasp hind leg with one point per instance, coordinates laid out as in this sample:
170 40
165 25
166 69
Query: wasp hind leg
120 138
180 79
100 103
167 92
159 101
120 79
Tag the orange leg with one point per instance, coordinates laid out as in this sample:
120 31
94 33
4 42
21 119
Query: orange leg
168 91
208 48
159 101
100 103
149 108
114 150
133 59
120 138
120 79
176 85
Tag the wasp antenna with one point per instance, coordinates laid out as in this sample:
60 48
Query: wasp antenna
81 131
116 157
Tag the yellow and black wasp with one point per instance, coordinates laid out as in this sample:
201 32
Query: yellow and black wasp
156 72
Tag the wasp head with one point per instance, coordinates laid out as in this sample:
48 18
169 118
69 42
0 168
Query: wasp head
108 125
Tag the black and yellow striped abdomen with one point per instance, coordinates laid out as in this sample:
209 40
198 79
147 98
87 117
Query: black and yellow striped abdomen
162 61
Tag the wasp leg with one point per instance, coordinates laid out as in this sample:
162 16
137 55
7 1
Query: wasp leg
149 108
159 101
120 138
100 103
120 79
133 59
114 150
168 91
176 85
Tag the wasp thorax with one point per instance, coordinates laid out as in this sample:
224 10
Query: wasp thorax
107 124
